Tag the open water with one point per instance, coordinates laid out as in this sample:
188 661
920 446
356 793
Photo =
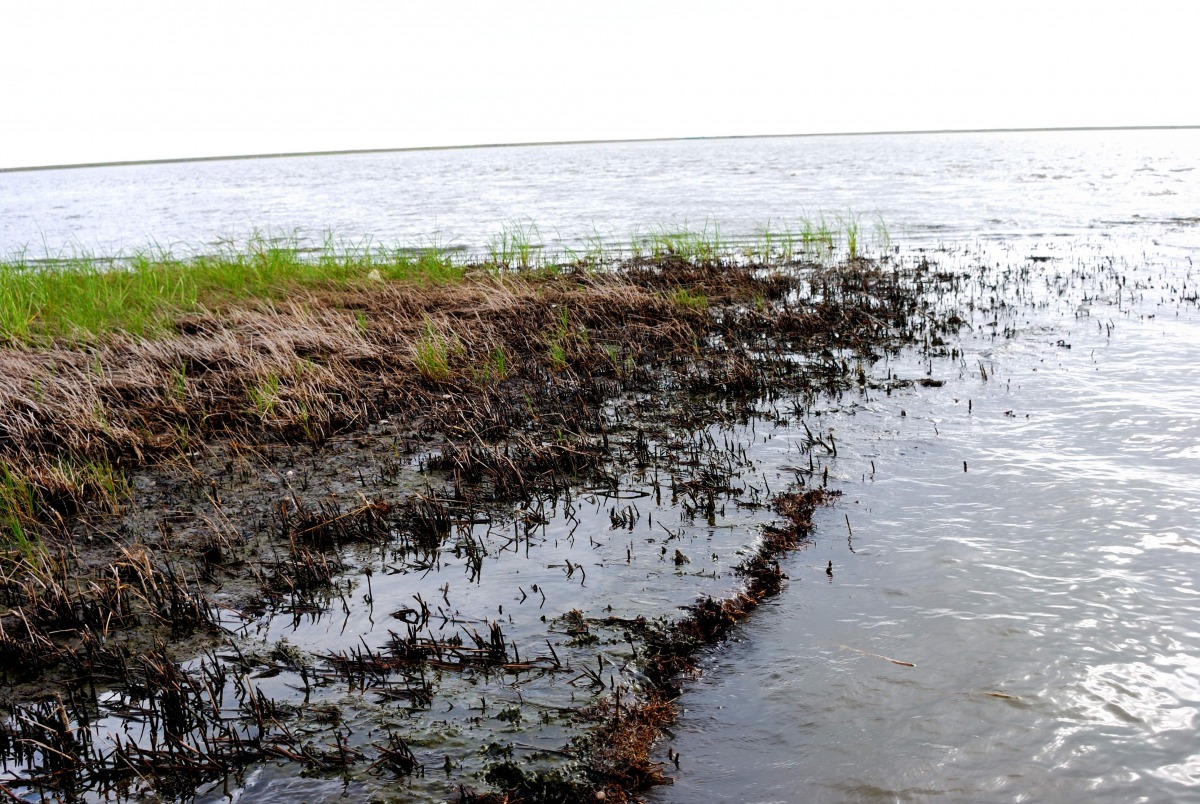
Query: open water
1012 613
946 186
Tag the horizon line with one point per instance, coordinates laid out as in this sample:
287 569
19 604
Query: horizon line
417 148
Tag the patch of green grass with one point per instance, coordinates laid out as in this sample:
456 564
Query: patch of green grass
102 481
494 369
772 246
178 383
852 229
432 355
83 297
516 246
562 334
498 364
24 505
264 395
703 247
689 298
18 509
817 238
558 356
595 252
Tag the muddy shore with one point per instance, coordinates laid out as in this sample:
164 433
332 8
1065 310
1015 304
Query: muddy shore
397 535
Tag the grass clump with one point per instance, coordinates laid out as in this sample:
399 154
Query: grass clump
516 246
703 247
18 509
264 395
495 369
565 337
432 352
691 299
30 499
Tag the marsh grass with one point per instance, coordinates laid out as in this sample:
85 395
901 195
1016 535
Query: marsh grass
106 483
516 245
699 247
883 237
558 339
28 501
818 240
852 230
686 297
583 348
178 387
18 509
495 369
83 297
432 353
264 395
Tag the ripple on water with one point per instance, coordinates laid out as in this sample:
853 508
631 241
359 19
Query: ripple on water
1046 596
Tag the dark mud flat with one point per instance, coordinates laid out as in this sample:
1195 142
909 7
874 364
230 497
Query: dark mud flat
417 542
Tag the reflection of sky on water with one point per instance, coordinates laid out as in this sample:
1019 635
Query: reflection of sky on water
928 187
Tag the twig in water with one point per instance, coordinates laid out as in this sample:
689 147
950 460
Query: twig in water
878 656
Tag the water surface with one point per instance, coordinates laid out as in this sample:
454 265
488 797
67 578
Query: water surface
1027 541
935 185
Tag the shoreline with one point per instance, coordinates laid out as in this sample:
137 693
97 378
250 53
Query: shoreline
249 460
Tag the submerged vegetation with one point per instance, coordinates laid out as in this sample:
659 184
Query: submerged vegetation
188 447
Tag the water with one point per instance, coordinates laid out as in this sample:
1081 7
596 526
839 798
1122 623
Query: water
940 186
1046 595
1028 542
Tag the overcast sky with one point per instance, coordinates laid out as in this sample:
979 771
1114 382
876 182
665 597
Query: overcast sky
104 81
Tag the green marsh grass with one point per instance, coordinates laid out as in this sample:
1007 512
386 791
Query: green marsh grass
26 502
432 355
106 484
264 395
703 247
516 245
852 230
18 509
178 385
495 368
563 335
883 237
84 297
558 356
689 298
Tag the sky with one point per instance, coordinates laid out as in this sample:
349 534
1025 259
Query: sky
84 82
